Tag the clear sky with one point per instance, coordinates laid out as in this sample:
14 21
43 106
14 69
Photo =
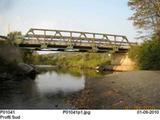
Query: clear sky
104 16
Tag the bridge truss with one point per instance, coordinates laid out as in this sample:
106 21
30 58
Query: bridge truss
82 41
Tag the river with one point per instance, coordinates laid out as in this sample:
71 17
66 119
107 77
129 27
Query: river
63 89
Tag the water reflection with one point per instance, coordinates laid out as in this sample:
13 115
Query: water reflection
51 82
54 89
65 89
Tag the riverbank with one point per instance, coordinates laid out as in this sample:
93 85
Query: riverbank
136 89
120 90
89 61
12 66
17 72
67 60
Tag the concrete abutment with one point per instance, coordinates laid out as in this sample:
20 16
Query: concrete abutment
121 62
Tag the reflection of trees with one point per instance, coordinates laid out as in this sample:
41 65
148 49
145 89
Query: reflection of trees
73 71
79 72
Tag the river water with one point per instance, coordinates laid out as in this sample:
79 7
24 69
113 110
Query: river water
60 89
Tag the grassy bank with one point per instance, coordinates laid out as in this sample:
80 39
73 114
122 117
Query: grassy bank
79 60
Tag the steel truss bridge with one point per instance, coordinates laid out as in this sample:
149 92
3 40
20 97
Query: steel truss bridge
64 40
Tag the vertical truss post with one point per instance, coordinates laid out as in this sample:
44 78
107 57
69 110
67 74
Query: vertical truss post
44 44
115 47
94 47
70 42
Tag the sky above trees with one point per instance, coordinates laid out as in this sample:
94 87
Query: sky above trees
106 16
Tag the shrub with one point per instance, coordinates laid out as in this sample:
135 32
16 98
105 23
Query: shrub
147 55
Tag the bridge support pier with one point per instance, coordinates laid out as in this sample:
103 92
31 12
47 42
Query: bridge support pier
121 62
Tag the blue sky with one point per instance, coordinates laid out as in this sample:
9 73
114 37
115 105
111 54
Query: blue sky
104 16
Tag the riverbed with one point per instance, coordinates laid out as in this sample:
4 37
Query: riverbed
83 89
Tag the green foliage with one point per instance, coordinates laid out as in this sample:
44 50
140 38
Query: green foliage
27 56
84 60
146 14
15 38
150 55
79 60
134 52
147 54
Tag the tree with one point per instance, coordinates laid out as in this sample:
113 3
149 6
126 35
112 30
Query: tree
146 15
15 38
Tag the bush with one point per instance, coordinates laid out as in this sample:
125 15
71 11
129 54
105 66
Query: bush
147 55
